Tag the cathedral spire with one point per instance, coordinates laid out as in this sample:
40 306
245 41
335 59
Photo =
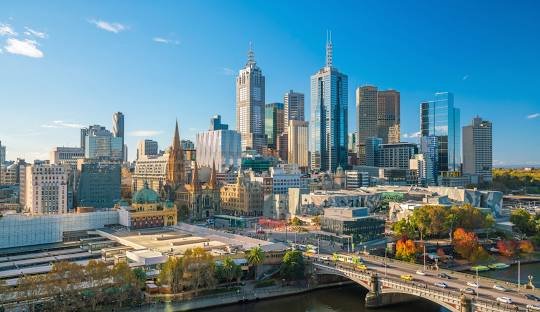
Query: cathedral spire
328 48
176 140
175 164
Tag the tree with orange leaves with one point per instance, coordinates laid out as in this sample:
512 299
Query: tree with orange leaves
525 246
467 246
406 249
507 248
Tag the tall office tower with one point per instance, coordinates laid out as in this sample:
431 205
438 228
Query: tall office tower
366 118
429 147
118 130
329 126
441 119
478 149
98 184
66 155
2 154
294 107
84 133
220 148
352 143
298 143
250 98
215 123
388 116
371 149
101 143
282 146
418 164
147 148
273 123
46 189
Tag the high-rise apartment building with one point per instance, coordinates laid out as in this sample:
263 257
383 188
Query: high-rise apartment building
273 123
118 131
46 189
101 143
151 169
293 106
98 183
441 119
298 143
250 100
2 154
329 124
147 148
478 149
429 148
352 143
371 151
396 155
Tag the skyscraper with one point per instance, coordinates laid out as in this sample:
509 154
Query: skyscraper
298 145
273 123
294 107
101 143
216 124
118 129
478 149
441 119
388 116
2 154
250 99
147 148
366 118
329 126
220 148
98 183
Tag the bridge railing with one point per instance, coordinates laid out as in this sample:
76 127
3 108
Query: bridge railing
486 281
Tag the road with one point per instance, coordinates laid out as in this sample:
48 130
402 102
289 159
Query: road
457 283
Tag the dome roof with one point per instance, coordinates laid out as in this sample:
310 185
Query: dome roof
145 196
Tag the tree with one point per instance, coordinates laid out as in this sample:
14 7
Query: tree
507 248
172 274
403 227
140 277
255 257
296 221
199 267
467 246
406 250
292 266
525 246
468 217
125 280
316 220
230 270
97 274
523 221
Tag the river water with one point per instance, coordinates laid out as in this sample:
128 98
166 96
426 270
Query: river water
341 299
351 298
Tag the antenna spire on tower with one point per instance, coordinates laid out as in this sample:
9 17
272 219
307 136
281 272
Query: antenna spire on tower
328 48
251 54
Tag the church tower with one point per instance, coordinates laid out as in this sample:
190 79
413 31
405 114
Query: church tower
175 165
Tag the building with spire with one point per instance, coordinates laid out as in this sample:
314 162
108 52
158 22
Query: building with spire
250 100
329 126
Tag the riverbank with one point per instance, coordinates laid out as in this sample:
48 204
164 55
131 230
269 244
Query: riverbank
230 298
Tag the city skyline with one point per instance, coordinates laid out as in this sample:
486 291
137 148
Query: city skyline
97 72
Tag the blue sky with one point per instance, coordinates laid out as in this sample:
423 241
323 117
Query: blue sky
69 63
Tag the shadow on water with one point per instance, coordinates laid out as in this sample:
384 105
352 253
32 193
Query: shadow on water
342 299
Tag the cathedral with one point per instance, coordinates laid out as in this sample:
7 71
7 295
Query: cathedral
195 201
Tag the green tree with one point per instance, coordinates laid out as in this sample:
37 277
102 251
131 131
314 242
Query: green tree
296 221
316 220
231 270
523 221
199 267
292 266
172 274
255 257
97 275
404 227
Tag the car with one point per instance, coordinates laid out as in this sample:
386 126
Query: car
469 291
473 284
441 285
504 300
499 288
361 266
406 277
532 297
444 275
533 307
420 272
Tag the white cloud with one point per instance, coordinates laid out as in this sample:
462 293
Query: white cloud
533 116
144 133
465 77
411 135
24 47
228 71
35 33
62 124
108 26
166 41
6 30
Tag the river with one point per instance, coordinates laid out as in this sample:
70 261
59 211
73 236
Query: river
341 299
510 274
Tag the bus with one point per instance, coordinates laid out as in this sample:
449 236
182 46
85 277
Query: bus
339 257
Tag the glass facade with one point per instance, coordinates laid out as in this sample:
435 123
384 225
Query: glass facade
100 143
273 122
441 119
99 185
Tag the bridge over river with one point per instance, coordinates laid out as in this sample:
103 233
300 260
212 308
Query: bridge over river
382 279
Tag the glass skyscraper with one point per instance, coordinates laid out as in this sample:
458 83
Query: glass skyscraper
273 122
329 129
441 119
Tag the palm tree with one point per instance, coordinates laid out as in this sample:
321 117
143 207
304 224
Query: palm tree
255 257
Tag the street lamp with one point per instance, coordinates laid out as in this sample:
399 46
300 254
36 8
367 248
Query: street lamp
519 275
